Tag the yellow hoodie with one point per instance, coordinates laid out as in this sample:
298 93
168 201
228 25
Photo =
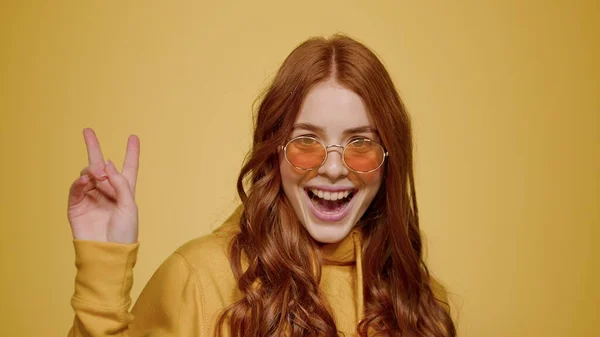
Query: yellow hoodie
188 291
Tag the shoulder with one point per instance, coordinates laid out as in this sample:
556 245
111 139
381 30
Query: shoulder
210 253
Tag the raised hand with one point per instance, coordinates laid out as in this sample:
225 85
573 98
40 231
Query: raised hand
101 204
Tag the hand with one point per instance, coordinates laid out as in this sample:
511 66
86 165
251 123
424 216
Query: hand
101 204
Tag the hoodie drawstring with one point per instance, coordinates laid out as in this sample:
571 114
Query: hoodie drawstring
359 276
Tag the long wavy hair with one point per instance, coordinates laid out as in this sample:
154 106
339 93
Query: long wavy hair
277 264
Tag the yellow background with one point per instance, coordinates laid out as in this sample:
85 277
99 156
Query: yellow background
504 97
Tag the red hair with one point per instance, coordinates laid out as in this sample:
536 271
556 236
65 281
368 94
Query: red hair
280 291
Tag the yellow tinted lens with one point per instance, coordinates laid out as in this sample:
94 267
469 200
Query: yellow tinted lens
305 152
363 155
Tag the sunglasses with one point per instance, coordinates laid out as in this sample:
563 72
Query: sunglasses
360 155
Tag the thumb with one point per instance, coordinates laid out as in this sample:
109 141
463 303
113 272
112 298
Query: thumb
119 183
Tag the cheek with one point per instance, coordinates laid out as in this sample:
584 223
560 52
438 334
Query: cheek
289 174
372 178
367 180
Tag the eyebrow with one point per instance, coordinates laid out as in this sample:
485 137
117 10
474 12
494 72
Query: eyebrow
318 129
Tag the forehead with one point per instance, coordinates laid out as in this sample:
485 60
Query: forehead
333 108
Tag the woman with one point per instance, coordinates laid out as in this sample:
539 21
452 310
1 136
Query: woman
326 242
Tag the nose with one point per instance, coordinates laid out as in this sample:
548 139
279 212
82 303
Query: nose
333 167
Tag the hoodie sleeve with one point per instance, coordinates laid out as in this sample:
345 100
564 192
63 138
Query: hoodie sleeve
169 306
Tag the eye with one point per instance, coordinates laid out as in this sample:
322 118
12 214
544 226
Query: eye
307 140
359 142
360 146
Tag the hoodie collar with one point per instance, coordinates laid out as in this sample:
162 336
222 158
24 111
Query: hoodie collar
342 252
348 252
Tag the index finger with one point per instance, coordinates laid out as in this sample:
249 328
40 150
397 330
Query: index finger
93 146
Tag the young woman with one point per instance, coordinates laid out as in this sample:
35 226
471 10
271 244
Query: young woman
326 241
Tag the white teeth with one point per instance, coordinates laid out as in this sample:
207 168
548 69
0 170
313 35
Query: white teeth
330 195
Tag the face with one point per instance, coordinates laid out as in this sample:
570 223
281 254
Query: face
335 115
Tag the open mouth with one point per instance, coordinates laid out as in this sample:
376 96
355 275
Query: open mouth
330 203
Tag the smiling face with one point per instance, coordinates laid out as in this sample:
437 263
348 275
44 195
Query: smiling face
331 199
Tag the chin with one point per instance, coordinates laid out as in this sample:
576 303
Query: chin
326 233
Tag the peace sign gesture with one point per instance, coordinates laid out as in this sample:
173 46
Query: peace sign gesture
101 204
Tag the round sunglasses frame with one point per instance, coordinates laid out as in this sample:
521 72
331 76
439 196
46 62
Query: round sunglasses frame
327 147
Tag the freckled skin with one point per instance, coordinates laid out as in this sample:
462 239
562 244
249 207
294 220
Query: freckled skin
335 109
